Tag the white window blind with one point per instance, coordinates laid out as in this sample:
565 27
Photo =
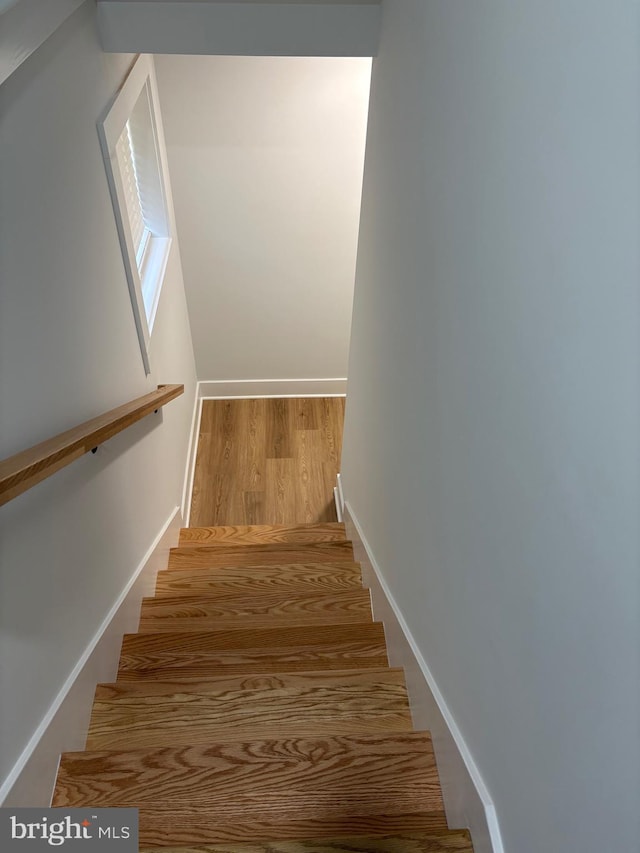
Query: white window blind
145 202
139 230
142 135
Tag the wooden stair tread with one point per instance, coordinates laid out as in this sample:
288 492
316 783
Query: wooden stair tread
185 717
444 841
194 556
302 787
280 767
262 534
202 653
197 612
253 681
305 577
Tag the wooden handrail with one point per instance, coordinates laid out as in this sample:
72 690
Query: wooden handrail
29 467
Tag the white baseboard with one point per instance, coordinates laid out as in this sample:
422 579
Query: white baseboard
339 495
190 466
249 388
65 725
336 500
467 801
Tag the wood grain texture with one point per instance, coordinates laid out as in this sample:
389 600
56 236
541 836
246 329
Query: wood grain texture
29 467
444 841
279 496
312 484
280 429
217 464
252 468
137 667
262 534
252 455
278 788
305 413
168 655
331 419
194 556
255 580
359 766
189 716
198 828
367 678
321 636
199 612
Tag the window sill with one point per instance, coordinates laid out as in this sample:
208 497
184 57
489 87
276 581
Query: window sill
155 267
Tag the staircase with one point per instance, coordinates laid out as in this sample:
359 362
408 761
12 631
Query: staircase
255 710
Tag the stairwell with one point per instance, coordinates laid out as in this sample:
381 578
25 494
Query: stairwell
255 709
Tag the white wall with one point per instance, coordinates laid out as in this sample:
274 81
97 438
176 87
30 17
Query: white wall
69 351
491 444
266 159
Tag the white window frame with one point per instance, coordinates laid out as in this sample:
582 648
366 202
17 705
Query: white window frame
148 281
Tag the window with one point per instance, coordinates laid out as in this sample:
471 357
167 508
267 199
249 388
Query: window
135 159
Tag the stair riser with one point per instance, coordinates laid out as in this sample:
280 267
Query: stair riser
185 626
369 679
140 734
157 826
204 623
322 638
202 557
262 534
136 669
450 841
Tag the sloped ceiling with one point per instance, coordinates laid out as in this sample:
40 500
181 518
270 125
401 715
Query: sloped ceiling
25 25
289 28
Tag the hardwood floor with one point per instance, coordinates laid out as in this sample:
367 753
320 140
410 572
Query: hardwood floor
267 461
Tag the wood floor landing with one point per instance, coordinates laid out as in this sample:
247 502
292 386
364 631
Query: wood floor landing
267 461
255 710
